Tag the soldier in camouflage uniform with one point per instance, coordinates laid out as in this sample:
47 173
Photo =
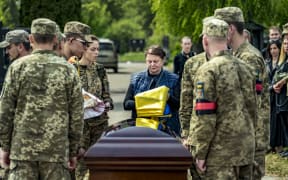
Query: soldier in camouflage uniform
41 111
224 114
186 107
76 34
187 86
16 44
250 55
95 81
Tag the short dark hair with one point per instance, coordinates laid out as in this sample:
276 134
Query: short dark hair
156 50
239 26
72 35
26 45
43 38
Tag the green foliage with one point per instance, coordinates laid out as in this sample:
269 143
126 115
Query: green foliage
97 16
276 166
120 20
132 56
60 11
9 14
122 31
179 18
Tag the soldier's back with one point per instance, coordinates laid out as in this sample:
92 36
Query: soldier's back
187 85
44 85
230 83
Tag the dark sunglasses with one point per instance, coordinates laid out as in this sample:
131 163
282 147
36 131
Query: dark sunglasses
84 43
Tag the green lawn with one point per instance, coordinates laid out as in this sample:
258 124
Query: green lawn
132 57
276 165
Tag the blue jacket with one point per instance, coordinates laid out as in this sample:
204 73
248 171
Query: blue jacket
143 81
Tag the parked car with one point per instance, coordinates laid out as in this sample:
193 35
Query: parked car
108 55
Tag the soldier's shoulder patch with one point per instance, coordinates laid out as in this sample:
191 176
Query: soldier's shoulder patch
200 90
203 106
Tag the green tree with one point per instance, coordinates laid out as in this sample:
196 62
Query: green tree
120 20
122 31
9 14
184 17
60 11
97 16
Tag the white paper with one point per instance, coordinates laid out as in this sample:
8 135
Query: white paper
93 106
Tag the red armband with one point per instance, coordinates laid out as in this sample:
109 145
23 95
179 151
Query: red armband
204 106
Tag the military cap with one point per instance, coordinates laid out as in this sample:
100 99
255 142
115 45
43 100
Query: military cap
15 36
90 38
285 29
213 27
43 26
75 27
229 14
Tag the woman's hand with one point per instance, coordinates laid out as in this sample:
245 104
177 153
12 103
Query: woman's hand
108 106
277 87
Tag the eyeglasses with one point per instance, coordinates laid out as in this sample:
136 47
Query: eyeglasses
84 43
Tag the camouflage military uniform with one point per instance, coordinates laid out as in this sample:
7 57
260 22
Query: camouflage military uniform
95 81
224 113
13 37
187 86
41 111
186 99
224 136
250 55
253 57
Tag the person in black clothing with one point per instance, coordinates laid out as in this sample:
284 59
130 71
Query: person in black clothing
273 52
181 58
274 34
281 98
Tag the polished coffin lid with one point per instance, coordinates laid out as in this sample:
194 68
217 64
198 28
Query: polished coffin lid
138 147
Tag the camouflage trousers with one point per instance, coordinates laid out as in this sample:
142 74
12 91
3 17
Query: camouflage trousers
259 165
228 173
92 131
35 170
4 174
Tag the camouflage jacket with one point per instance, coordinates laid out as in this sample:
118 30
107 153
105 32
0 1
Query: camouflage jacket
187 86
41 109
249 54
224 114
94 80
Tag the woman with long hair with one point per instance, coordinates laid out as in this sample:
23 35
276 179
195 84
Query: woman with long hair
280 137
273 53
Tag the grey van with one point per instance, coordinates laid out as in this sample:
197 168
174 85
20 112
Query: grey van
108 55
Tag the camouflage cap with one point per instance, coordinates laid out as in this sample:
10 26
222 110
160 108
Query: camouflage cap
76 27
15 36
229 14
213 27
285 29
90 38
43 26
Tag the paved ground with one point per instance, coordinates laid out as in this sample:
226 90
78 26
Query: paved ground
118 85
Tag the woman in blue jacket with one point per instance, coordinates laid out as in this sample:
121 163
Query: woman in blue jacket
153 77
